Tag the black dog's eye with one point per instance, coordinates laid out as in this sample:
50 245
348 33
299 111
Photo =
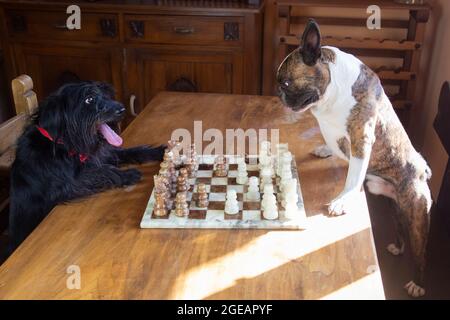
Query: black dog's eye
89 100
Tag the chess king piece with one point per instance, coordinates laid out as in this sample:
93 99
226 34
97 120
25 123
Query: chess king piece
202 201
181 205
231 203
242 175
269 203
253 189
160 208
220 167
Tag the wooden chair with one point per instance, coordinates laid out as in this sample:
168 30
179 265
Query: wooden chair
25 102
442 128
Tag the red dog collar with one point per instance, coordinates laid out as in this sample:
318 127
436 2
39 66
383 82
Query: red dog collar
81 156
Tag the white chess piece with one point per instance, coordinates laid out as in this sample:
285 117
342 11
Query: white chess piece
253 189
266 176
290 200
231 203
242 175
269 204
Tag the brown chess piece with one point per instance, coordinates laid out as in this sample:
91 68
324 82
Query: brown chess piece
190 167
181 181
172 173
202 200
220 168
185 174
181 205
160 208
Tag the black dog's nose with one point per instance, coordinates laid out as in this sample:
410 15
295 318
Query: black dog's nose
120 111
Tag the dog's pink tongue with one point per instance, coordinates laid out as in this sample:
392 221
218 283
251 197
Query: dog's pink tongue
110 136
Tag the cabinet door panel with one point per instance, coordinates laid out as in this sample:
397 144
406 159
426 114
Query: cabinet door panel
50 67
196 71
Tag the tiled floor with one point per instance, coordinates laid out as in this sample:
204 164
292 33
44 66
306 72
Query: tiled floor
396 271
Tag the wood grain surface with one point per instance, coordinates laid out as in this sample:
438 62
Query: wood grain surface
334 258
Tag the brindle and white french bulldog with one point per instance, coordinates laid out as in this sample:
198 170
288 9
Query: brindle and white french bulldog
359 125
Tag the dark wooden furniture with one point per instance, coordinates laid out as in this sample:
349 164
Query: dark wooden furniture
333 258
396 59
141 47
441 125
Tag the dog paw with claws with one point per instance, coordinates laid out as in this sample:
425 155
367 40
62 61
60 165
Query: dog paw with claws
394 249
340 205
130 177
414 290
322 152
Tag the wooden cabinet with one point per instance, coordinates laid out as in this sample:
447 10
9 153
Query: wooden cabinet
212 46
51 66
201 70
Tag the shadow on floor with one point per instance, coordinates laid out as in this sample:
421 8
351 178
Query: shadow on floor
397 271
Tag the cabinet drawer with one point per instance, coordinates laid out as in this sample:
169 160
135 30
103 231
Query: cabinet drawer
186 30
51 25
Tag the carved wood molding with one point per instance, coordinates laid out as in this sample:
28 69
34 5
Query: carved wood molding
137 28
109 28
231 31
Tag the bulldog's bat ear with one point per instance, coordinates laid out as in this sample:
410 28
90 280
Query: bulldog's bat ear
310 44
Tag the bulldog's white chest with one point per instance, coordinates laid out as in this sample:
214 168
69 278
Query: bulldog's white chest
333 128
333 110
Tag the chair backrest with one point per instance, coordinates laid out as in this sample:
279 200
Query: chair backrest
25 102
25 99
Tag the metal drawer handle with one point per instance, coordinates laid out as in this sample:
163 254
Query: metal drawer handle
132 110
184 30
61 26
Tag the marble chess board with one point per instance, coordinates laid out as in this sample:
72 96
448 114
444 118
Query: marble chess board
213 217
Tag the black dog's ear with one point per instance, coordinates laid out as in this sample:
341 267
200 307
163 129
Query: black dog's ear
49 115
107 89
310 44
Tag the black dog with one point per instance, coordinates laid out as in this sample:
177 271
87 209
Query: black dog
69 151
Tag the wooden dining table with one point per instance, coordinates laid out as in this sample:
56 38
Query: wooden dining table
99 241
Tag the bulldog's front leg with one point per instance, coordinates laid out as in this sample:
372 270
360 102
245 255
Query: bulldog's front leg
362 136
355 177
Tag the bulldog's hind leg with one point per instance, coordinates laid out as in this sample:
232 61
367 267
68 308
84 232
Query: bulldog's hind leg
415 205
379 186
322 151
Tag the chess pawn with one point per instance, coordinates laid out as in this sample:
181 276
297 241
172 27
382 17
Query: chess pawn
181 205
253 189
231 203
242 175
269 204
202 201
